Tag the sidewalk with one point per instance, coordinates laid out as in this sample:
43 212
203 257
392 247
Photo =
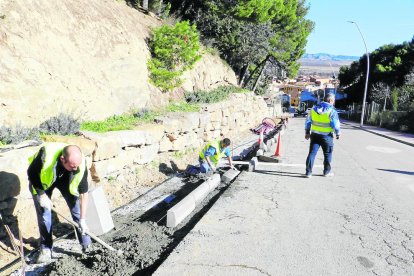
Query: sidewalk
405 138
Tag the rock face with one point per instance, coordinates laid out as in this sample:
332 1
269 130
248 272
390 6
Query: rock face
87 58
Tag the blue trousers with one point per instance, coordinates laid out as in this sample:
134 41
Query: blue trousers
204 166
44 218
316 141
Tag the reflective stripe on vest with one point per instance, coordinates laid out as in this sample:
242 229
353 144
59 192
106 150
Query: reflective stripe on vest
52 152
217 155
321 123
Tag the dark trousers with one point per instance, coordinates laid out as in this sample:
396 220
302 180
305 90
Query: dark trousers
316 141
44 217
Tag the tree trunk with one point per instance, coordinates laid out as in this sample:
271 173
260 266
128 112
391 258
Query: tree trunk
244 70
258 66
259 77
145 4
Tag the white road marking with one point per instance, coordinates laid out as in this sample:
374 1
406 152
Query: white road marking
383 149
289 165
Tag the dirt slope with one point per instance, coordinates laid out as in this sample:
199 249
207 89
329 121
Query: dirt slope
85 57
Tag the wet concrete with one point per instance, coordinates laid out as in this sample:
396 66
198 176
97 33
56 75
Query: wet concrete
142 236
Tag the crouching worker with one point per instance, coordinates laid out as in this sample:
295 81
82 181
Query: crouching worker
61 166
212 153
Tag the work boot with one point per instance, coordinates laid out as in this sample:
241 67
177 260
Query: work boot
86 249
329 174
308 175
45 256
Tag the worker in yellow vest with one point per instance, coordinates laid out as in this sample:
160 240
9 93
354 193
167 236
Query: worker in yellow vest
61 166
211 154
320 125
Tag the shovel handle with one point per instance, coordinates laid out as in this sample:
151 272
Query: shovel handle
86 232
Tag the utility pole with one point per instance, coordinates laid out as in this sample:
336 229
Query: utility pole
366 79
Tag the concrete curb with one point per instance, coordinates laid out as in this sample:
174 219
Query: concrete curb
182 209
379 134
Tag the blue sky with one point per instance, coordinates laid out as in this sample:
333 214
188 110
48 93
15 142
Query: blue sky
381 22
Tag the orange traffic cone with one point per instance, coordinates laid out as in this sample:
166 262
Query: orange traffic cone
279 141
261 137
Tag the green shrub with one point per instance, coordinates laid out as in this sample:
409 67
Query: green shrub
116 122
61 124
182 107
18 134
388 119
174 49
408 121
216 95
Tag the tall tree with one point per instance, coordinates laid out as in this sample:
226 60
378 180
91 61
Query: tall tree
251 33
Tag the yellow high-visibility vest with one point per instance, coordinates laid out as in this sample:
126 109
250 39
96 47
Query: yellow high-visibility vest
52 152
321 123
218 154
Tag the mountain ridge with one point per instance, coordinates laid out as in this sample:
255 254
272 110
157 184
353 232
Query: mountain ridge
325 56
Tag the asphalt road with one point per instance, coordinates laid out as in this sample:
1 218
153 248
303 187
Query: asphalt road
276 222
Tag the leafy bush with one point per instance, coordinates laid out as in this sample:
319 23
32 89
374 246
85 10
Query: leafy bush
17 135
388 119
216 95
174 49
62 124
408 121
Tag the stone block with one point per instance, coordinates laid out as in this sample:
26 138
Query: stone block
165 144
204 119
98 216
228 176
129 138
180 121
180 211
155 132
107 145
86 145
216 116
145 154
13 172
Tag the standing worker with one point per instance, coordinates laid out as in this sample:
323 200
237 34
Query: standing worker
61 166
320 124
211 154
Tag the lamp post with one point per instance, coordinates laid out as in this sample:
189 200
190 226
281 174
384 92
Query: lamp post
366 79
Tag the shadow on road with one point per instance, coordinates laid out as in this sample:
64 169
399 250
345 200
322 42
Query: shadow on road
397 171
289 174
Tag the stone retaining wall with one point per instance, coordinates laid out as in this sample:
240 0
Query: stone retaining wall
109 153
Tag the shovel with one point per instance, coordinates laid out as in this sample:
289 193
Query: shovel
104 244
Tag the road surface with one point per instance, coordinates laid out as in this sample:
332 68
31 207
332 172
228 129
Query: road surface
276 222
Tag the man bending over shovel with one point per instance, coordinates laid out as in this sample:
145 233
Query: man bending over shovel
61 166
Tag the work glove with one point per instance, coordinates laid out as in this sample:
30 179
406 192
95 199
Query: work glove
213 168
307 136
84 228
45 202
337 137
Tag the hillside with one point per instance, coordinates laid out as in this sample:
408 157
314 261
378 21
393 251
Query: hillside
83 57
323 64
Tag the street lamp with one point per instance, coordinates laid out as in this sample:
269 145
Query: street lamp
366 79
